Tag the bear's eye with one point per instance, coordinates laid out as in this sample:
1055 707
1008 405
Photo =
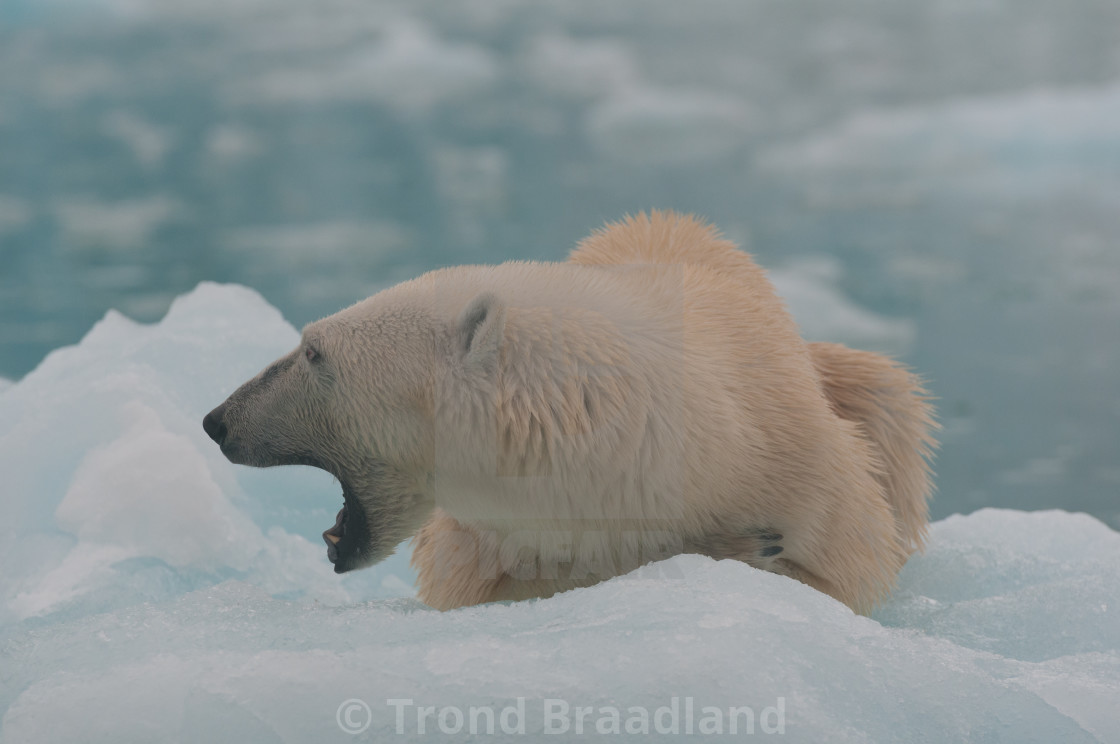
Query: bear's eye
311 353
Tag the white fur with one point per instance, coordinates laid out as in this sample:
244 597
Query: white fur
550 425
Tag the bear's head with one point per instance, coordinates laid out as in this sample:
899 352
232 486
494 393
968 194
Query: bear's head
357 398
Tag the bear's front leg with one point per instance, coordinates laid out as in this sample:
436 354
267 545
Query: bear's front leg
460 565
457 566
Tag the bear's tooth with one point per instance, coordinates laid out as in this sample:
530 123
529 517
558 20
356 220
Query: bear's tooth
333 538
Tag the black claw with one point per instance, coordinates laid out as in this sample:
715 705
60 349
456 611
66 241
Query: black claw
770 551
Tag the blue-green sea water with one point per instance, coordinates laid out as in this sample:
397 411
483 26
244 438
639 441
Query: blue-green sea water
950 168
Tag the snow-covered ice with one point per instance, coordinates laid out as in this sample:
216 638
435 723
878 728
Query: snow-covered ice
151 591
231 663
112 492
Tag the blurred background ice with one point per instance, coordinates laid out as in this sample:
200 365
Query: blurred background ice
939 180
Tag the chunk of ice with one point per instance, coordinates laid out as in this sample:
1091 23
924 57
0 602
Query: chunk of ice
152 591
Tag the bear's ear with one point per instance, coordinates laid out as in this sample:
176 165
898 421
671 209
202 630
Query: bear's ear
480 331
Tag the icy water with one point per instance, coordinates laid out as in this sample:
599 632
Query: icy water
937 179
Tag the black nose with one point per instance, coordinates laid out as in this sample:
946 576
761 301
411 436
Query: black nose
214 424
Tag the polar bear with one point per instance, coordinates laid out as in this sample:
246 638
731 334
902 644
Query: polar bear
538 427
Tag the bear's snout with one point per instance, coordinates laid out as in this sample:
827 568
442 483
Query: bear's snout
215 426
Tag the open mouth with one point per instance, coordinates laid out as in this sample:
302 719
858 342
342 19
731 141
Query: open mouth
334 535
349 542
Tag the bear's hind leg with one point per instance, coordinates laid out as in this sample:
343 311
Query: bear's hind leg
758 547
761 548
